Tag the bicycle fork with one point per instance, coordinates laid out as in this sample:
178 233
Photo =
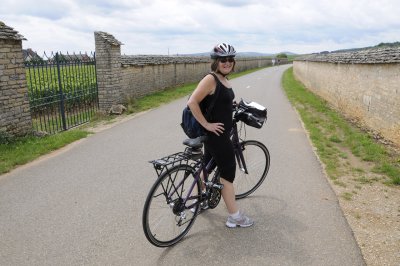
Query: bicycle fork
240 158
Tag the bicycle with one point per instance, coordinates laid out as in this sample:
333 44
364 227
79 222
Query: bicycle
176 198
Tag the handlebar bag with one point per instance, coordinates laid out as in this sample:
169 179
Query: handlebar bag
252 114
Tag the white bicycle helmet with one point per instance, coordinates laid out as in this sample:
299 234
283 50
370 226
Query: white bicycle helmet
223 50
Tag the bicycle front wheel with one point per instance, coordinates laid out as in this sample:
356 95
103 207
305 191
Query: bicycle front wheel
257 159
168 212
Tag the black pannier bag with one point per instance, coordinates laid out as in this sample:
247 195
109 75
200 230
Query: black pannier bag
251 113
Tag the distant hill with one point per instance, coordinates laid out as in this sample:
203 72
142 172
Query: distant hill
241 54
252 54
288 53
388 44
381 45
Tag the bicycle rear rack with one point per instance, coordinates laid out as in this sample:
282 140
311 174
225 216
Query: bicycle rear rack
190 156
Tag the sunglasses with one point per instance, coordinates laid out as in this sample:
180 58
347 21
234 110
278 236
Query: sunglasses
227 59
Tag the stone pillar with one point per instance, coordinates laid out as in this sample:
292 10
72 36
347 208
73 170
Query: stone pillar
15 117
108 67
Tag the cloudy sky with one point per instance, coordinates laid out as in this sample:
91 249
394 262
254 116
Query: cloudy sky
192 26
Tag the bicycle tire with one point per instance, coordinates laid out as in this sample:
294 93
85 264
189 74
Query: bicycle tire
257 159
165 219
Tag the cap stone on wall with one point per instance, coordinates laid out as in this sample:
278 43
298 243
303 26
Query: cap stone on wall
109 38
7 33
365 56
141 60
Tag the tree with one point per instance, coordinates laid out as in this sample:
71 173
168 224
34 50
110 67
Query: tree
282 55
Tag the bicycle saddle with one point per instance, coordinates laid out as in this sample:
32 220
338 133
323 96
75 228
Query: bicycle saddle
196 143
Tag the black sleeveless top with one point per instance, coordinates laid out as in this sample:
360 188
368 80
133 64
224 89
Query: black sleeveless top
220 147
223 108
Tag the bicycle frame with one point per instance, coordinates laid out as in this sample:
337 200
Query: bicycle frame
205 169
199 166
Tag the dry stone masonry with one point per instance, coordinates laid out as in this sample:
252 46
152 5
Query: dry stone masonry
108 62
367 56
143 60
15 118
364 85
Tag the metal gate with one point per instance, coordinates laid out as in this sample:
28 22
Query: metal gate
62 90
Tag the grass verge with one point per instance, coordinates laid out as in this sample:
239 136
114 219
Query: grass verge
337 140
19 151
23 150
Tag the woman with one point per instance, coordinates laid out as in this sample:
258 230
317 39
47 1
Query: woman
218 144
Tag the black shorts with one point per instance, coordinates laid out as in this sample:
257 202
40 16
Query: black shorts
221 149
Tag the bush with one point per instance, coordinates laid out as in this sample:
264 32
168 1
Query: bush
5 137
282 55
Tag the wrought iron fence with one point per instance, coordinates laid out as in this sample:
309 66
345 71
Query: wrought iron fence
62 90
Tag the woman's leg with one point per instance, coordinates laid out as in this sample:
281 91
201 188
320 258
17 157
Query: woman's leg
235 218
228 194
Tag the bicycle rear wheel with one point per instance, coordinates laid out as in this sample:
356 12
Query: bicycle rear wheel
167 214
257 159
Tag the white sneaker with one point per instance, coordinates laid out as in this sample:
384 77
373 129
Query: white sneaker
242 221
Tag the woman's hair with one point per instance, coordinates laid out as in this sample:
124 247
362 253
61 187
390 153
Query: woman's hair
214 65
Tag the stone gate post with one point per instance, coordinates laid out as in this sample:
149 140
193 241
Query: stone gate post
108 66
15 117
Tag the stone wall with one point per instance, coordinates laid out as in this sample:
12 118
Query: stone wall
143 75
108 64
363 85
122 76
15 117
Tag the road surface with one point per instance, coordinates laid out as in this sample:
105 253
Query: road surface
83 204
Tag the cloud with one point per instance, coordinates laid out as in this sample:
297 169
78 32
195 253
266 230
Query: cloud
177 26
231 3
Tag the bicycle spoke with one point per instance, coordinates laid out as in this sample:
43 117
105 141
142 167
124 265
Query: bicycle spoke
167 216
257 161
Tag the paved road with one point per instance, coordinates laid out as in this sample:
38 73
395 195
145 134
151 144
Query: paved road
83 205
